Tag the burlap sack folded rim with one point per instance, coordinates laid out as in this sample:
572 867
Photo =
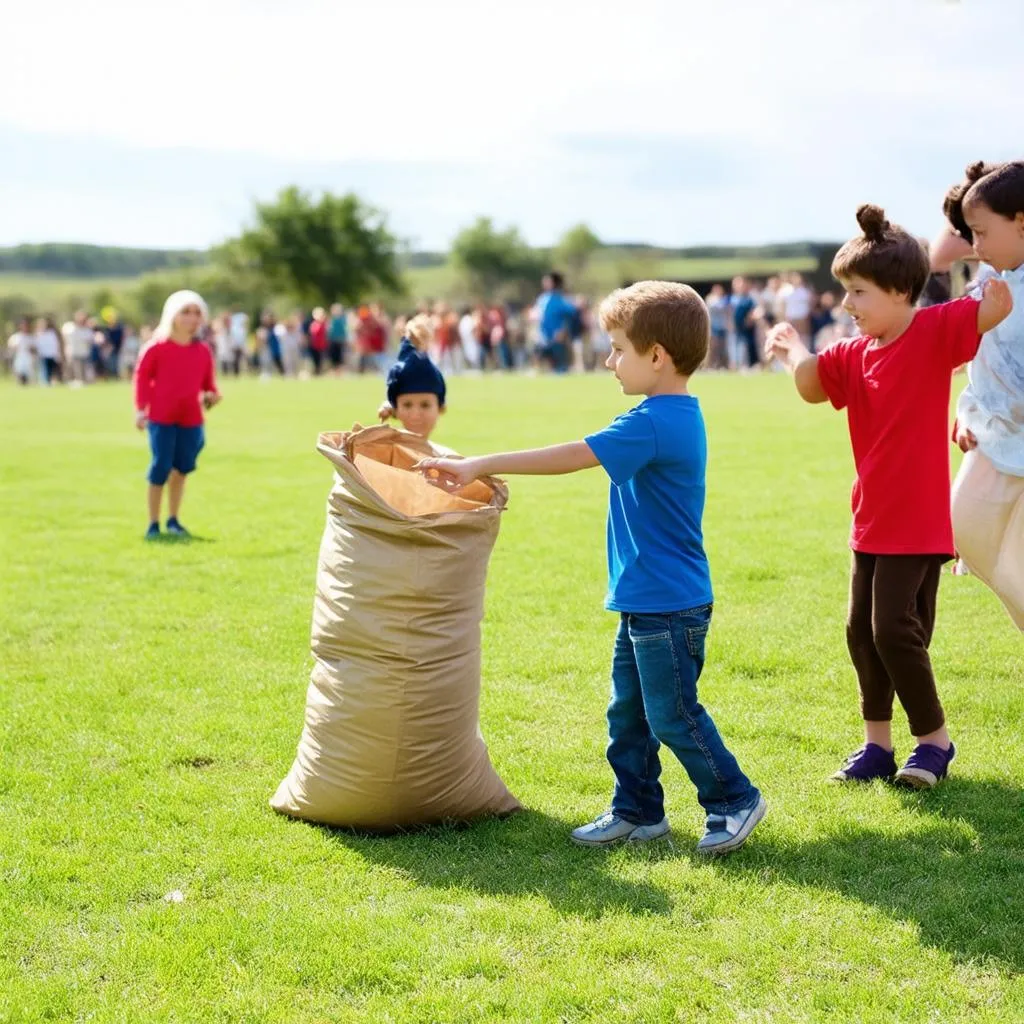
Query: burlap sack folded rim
338 445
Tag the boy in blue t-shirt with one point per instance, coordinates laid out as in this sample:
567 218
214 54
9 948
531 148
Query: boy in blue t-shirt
658 575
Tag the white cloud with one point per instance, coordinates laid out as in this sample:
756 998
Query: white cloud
828 99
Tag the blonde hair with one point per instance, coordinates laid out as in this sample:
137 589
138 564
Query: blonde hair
661 313
420 330
175 303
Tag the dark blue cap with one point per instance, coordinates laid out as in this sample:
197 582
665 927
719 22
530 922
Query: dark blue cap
414 374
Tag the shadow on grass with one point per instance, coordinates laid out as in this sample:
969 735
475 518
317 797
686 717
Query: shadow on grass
956 870
170 538
528 853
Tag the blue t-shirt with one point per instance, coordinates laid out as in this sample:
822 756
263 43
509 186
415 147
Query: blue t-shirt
656 456
557 314
742 307
337 329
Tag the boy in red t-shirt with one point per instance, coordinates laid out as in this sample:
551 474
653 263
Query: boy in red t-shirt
173 380
894 380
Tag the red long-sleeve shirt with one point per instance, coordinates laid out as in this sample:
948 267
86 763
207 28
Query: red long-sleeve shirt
170 379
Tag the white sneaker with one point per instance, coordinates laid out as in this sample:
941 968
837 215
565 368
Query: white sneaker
609 828
724 833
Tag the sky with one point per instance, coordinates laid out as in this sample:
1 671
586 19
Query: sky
677 123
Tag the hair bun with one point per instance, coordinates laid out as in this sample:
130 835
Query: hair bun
872 221
977 170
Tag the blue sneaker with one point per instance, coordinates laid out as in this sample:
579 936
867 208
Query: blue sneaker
609 828
175 529
153 533
870 762
724 833
926 767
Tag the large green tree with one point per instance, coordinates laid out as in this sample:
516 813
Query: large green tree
318 249
494 261
578 244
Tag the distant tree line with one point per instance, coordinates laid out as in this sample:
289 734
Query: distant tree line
68 259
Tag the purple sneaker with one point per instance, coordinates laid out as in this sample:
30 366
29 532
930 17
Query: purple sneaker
926 767
870 762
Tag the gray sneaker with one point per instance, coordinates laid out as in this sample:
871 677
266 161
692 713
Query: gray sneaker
724 833
609 828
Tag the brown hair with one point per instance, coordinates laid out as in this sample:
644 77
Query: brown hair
1001 190
661 313
953 203
884 254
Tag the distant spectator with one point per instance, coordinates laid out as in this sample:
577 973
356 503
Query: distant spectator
48 348
130 348
22 346
77 348
823 315
770 302
271 341
290 338
744 322
469 338
557 317
337 338
238 327
370 341
98 349
113 329
796 304
317 333
718 308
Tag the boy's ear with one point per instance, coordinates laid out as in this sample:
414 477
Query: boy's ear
442 408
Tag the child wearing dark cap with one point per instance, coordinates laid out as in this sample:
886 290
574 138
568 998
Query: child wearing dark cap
416 388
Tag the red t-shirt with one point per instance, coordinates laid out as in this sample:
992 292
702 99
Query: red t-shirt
897 402
169 380
318 335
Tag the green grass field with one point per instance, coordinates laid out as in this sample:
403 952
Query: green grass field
50 294
153 695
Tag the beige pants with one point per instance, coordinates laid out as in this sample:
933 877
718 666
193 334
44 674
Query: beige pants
988 524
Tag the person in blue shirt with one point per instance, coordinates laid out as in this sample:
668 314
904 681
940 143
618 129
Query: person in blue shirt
658 578
744 326
558 318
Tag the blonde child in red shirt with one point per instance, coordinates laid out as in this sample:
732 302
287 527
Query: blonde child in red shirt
894 380
174 381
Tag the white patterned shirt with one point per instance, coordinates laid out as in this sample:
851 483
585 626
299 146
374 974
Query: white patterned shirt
992 405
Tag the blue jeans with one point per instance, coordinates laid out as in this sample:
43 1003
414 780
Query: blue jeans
658 660
173 447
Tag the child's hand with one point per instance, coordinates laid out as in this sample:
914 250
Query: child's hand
783 342
210 399
996 304
450 474
385 412
966 440
141 421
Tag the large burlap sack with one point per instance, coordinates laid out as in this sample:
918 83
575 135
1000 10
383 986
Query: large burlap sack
392 734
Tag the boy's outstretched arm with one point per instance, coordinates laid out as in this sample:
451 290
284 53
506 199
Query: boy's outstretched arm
996 304
558 458
784 343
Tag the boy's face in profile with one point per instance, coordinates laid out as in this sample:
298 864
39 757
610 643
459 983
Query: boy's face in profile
635 372
874 309
418 412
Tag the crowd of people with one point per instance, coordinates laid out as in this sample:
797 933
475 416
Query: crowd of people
559 333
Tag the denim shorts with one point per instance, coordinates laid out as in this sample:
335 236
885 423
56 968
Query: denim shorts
173 447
